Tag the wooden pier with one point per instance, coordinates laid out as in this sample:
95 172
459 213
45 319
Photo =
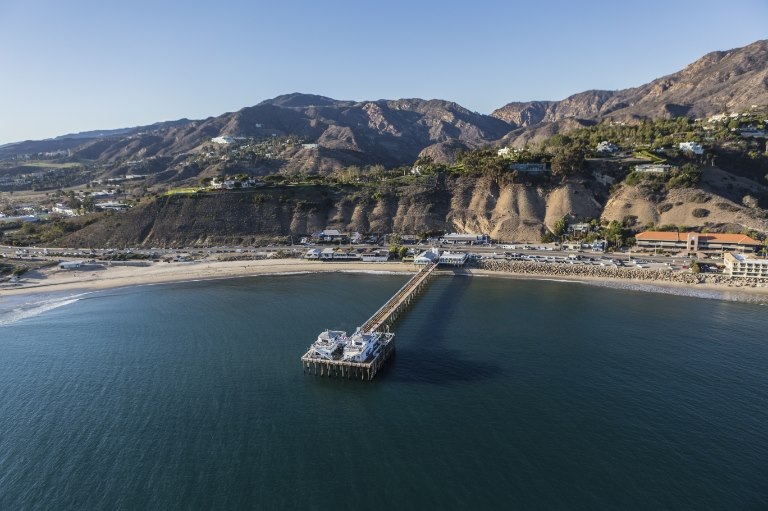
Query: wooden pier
389 312
380 322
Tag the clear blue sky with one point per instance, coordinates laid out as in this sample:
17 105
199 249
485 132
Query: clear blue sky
79 65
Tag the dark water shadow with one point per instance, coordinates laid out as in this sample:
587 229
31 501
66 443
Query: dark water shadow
423 358
437 367
446 304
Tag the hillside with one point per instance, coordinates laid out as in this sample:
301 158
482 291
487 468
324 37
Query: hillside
413 165
505 210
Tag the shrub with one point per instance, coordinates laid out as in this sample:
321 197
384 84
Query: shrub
700 212
633 178
700 198
665 207
725 206
749 201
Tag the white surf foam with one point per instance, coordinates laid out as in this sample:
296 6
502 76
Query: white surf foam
29 309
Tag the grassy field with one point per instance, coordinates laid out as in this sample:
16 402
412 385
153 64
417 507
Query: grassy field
185 191
51 165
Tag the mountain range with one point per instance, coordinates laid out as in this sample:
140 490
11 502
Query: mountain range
397 132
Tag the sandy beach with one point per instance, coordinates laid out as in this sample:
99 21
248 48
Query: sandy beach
98 277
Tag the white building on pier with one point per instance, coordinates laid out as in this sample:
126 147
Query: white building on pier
427 257
453 258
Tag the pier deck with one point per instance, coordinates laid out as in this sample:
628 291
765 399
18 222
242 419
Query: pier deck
390 310
380 322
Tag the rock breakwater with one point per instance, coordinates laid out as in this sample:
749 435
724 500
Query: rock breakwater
648 275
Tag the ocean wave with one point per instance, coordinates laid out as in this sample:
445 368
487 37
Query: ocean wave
691 292
15 312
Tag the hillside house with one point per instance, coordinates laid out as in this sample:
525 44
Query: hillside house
64 210
606 147
579 229
653 168
691 147
752 132
329 236
530 168
223 140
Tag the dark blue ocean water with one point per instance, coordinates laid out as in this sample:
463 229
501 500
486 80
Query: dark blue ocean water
504 394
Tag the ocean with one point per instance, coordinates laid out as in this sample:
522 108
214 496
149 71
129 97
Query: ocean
503 394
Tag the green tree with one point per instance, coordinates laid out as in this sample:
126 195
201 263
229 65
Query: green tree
568 161
560 226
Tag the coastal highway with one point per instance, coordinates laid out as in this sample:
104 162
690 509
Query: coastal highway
547 252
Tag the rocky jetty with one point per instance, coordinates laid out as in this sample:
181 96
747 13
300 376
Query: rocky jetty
561 270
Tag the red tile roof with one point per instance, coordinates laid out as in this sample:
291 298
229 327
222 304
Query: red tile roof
736 239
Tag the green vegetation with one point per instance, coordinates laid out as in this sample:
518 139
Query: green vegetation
688 176
700 213
51 165
189 190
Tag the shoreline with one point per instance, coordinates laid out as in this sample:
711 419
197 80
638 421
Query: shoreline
96 278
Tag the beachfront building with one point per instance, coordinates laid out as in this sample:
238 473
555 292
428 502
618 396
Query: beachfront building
70 265
695 241
453 258
465 239
427 257
745 266
375 256
336 254
313 254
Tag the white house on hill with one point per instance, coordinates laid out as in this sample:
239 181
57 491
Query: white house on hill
691 147
606 147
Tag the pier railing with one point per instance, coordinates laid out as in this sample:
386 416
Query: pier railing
390 310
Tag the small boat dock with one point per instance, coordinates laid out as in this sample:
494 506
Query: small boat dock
373 342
